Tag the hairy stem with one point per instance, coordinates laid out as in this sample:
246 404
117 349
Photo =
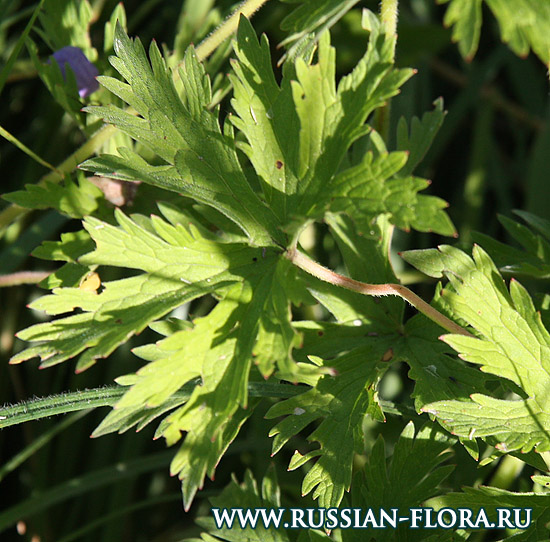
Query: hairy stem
313 268
216 38
44 407
388 17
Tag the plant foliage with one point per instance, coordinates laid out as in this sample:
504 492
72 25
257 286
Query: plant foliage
237 186
522 24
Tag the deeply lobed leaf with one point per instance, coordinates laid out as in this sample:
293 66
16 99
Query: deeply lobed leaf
183 132
298 134
342 400
178 265
512 343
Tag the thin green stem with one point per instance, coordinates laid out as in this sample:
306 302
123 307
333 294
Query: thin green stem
388 17
21 146
214 40
43 407
313 268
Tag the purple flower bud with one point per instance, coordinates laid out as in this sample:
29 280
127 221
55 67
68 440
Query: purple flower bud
84 71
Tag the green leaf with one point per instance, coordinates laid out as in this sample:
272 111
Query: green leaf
276 336
540 224
298 135
375 186
413 475
438 375
246 496
265 112
465 16
512 343
491 498
70 199
70 275
523 25
184 133
179 265
71 246
311 17
212 417
418 139
117 16
217 350
435 261
342 400
66 23
533 260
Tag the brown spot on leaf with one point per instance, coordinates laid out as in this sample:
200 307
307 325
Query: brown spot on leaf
388 355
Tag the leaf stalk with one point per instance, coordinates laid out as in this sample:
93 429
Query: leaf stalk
322 273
